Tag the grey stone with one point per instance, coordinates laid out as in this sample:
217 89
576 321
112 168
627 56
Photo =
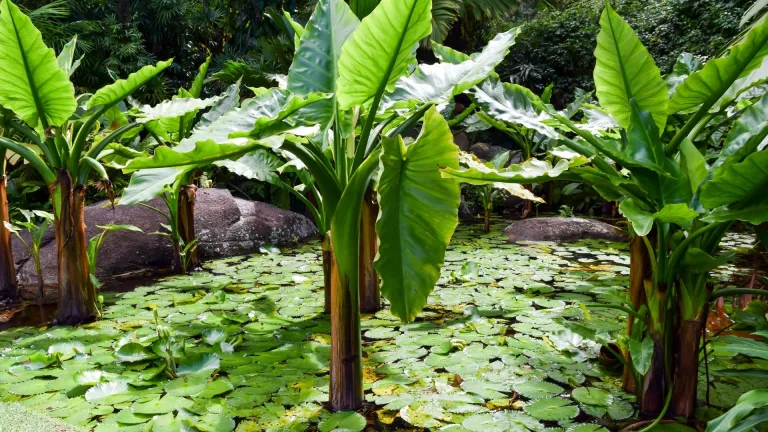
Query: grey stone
556 229
224 225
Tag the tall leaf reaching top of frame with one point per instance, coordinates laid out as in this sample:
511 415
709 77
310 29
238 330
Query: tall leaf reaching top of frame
625 70
419 212
707 85
31 83
315 65
379 51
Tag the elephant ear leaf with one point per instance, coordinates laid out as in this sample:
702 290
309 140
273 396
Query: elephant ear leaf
31 83
706 86
737 185
419 212
315 65
379 51
120 89
625 70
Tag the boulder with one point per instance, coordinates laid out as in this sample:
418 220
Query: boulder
462 141
557 229
225 226
487 152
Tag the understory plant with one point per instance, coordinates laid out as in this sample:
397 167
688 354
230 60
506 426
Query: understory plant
61 138
36 223
349 99
490 192
679 199
94 247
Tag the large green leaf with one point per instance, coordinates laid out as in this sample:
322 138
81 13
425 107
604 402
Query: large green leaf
528 172
315 64
749 130
748 412
642 353
448 55
204 152
438 83
419 212
740 345
379 51
31 83
147 184
275 111
120 89
642 220
261 165
66 57
755 214
173 108
513 104
625 71
718 75
741 183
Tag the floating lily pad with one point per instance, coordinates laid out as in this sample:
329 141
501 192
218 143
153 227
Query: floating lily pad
343 421
537 389
592 396
551 409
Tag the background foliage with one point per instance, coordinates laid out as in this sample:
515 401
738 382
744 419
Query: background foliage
557 45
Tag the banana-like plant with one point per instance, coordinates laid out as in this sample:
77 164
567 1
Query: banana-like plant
680 202
9 288
63 142
349 81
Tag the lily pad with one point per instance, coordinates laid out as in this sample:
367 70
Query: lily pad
592 396
551 409
343 421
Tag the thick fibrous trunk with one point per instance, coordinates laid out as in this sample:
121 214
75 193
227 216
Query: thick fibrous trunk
653 392
187 198
346 386
370 296
329 266
8 286
639 271
77 295
686 369
527 204
487 221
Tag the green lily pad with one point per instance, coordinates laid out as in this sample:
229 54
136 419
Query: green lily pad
203 363
592 396
551 409
163 405
133 352
537 389
343 421
186 385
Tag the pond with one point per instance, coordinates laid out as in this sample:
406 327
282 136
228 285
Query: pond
500 347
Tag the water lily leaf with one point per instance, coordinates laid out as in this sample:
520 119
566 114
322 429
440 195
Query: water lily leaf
581 427
215 423
551 409
537 389
203 363
620 410
343 421
487 390
592 396
163 405
126 416
215 388
502 421
133 352
186 385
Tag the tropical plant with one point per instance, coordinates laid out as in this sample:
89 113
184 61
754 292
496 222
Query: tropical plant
678 204
36 224
361 101
490 192
37 89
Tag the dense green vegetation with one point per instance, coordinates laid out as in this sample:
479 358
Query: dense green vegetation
474 336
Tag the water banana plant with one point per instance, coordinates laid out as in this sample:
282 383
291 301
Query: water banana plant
61 138
679 200
349 100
